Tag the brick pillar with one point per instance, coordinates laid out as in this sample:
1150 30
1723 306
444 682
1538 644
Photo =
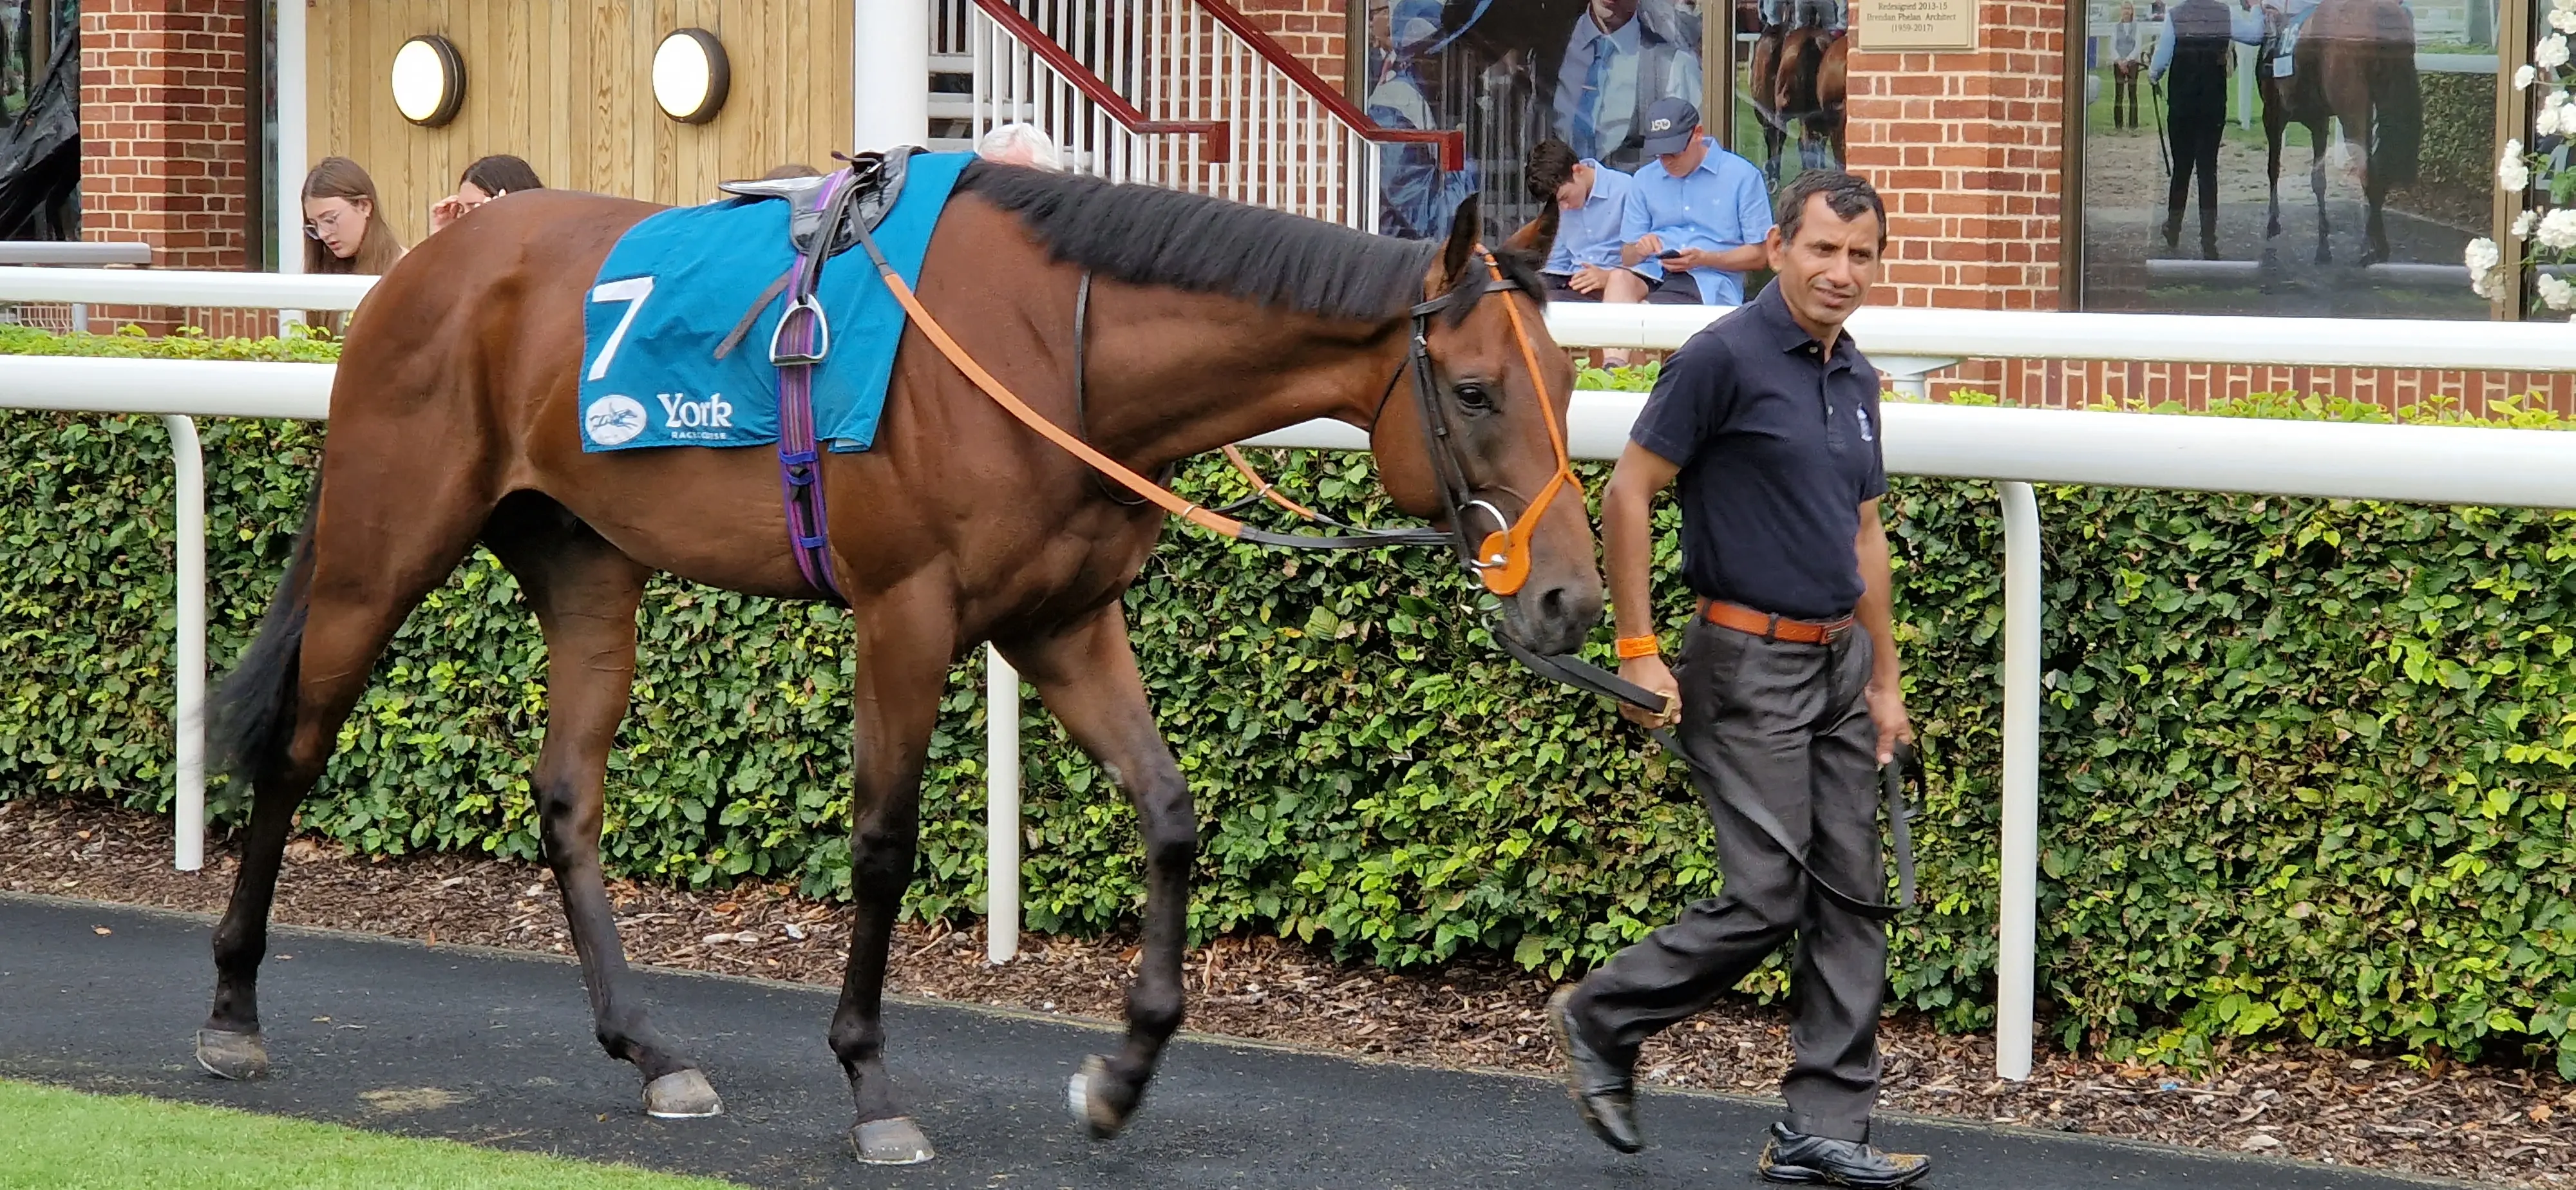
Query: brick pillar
1967 149
165 141
1316 31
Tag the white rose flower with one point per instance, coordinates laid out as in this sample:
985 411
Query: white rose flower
2511 173
2545 121
2562 5
2482 258
2557 229
2551 53
2523 76
2563 20
2556 294
2523 223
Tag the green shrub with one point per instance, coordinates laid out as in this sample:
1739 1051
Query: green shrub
2305 762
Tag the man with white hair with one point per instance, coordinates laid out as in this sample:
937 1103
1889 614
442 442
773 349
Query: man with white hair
1019 144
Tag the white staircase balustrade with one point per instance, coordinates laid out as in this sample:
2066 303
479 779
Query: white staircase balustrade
1181 93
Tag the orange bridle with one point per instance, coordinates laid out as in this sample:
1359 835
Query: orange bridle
1502 561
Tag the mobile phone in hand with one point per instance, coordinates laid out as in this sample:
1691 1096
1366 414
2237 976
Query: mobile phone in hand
1669 254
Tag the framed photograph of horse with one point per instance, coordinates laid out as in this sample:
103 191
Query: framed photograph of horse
2287 157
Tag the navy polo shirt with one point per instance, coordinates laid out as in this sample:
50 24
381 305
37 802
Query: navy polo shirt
1778 447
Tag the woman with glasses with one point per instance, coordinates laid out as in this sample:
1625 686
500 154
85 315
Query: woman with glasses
342 233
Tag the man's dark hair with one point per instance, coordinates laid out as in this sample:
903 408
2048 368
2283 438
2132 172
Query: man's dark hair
1551 163
1846 195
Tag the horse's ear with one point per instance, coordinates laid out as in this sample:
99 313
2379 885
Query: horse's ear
1538 236
1464 229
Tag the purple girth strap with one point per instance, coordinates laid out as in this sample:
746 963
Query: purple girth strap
801 341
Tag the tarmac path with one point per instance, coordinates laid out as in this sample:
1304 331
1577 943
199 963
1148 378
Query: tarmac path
495 1048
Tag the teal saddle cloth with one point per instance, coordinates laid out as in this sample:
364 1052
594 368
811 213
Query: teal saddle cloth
679 282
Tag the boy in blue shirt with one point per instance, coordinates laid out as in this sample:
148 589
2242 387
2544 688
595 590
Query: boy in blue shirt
1584 264
1696 216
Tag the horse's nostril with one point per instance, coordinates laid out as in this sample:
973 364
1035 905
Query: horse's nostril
1552 603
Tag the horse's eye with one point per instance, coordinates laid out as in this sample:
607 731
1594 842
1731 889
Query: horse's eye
1475 398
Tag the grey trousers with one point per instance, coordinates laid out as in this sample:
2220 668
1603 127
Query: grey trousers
1787 725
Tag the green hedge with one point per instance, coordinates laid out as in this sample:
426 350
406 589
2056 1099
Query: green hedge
2306 763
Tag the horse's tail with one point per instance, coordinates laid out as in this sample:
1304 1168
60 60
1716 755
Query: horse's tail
2397 97
251 718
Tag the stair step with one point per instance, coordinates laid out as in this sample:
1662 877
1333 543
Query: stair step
950 144
944 105
952 64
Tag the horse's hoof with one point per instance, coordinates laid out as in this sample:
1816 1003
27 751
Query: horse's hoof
891 1142
1083 1094
681 1095
236 1056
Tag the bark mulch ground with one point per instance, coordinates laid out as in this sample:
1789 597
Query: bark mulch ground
2477 1122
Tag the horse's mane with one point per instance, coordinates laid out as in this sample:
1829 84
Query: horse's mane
1149 235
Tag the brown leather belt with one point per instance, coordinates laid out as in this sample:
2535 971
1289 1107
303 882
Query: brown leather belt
1769 626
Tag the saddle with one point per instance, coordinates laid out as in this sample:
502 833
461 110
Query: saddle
827 216
873 181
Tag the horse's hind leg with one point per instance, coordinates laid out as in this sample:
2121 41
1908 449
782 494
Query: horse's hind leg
2317 186
904 642
1088 677
370 550
2273 127
585 593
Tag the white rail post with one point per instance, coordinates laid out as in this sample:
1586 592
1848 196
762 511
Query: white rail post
190 810
890 59
1001 808
2017 929
293 149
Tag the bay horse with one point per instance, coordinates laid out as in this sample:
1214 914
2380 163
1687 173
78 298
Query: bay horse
453 421
2354 64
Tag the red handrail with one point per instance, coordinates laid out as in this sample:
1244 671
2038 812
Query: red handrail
1453 143
1212 134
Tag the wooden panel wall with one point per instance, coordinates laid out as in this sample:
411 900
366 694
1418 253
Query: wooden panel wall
568 86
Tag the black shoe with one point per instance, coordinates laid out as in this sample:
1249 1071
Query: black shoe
1605 1091
1817 1160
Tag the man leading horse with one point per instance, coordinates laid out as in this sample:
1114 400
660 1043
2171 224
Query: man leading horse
1787 698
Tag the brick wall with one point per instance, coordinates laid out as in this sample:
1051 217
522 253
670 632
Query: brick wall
2074 383
1967 149
1317 31
165 142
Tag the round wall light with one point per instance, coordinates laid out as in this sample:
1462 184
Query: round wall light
690 76
429 80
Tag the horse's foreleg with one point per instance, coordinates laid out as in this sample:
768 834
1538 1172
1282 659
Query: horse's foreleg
585 594
904 644
366 558
1088 677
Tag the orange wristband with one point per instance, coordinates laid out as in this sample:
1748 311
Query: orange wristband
1632 647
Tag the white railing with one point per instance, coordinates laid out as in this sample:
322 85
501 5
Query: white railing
212 389
1225 119
2448 465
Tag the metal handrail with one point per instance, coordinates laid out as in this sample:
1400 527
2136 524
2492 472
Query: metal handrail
1214 135
73 252
1452 142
